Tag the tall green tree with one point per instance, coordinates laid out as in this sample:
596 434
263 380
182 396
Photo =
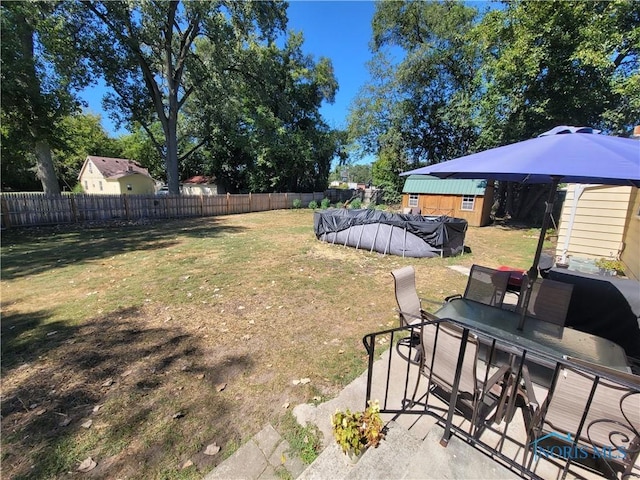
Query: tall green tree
421 104
147 53
556 63
269 135
40 70
559 63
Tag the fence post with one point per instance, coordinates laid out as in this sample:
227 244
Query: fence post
126 207
228 201
6 220
250 203
286 200
202 205
74 207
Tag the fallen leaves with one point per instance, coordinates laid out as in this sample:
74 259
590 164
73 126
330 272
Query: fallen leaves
87 465
211 449
108 382
87 424
302 381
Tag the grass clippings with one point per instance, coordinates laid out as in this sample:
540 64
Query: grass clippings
138 347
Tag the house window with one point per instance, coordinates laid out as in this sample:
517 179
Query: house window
468 202
413 200
129 187
90 167
86 185
100 184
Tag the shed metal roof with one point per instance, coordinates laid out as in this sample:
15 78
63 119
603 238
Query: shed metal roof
438 186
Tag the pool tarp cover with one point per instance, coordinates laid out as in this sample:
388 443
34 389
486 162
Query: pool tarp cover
393 233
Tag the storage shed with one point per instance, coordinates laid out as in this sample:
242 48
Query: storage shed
468 199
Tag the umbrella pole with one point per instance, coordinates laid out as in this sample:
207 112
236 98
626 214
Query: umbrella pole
532 274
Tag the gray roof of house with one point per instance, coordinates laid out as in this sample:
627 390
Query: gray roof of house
438 186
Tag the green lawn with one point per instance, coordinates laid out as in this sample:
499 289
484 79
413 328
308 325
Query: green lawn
138 346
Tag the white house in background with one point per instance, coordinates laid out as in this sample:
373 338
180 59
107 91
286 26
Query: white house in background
601 221
201 185
105 175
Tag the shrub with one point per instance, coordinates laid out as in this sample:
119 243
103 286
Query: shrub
326 203
357 203
610 264
313 204
339 205
358 430
297 203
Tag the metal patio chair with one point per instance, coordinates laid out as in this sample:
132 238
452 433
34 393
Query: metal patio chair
549 300
586 413
485 285
481 391
409 310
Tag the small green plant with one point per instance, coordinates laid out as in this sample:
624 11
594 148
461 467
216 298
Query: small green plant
357 203
325 203
610 264
297 203
356 431
304 442
313 204
339 204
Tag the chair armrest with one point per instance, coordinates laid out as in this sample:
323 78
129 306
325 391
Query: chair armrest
452 297
428 316
410 317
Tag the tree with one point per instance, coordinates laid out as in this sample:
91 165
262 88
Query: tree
269 135
40 71
421 105
556 63
465 83
147 51
559 63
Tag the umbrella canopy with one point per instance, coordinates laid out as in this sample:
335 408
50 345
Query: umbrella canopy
563 154
572 154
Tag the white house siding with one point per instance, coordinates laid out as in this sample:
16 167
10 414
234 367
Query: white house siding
599 223
631 253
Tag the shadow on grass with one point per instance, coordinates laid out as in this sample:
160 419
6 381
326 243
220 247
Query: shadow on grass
36 250
139 385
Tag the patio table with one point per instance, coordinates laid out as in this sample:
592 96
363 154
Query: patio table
548 342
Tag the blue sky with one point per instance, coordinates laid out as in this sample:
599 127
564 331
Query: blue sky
339 30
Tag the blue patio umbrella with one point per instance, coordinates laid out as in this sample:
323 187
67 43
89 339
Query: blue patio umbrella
563 154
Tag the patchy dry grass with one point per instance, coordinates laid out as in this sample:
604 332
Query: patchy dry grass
139 346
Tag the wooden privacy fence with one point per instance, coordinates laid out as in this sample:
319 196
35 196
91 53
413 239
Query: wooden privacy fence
32 209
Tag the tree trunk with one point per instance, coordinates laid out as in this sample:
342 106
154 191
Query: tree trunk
44 168
508 208
171 161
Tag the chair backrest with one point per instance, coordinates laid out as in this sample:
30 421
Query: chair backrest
613 408
406 295
441 365
549 300
487 285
